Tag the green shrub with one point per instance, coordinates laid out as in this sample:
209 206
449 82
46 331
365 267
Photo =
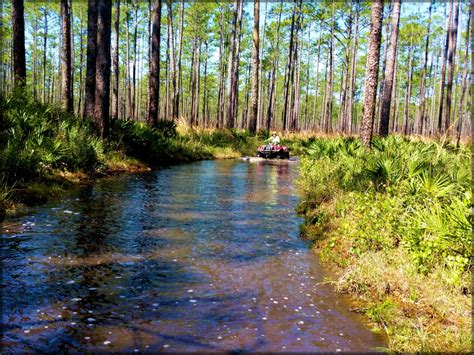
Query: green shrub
403 193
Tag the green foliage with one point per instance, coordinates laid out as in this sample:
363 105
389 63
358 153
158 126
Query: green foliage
401 193
35 138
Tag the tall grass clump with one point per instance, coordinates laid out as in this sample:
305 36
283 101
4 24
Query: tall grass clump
397 222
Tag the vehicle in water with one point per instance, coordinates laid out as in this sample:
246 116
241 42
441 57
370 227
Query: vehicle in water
273 152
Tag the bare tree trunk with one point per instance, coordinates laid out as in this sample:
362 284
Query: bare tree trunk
102 83
443 71
390 70
116 69
345 75
18 34
154 81
174 105
168 75
394 103
34 59
71 35
350 100
255 69
195 82
459 126
371 73
232 84
295 118
288 72
180 50
433 116
330 82
316 82
260 74
45 47
195 108
322 117
220 91
92 8
420 120
66 58
81 64
236 63
134 64
451 62
127 62
230 120
150 14
271 94
204 93
140 78
245 111
378 108
306 99
408 91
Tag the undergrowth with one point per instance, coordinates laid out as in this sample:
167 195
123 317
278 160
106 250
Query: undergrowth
396 221
39 143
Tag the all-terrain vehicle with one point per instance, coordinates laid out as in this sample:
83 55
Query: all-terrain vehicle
273 152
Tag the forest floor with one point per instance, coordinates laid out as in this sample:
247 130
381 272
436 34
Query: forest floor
394 229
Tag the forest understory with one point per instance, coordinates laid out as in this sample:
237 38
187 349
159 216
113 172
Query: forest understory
394 227
45 150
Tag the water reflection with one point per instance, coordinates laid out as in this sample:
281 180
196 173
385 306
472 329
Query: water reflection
198 257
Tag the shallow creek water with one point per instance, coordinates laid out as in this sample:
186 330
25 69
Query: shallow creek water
198 257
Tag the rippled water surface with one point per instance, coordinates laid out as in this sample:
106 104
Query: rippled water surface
198 257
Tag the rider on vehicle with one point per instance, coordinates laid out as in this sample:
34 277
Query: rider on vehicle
274 140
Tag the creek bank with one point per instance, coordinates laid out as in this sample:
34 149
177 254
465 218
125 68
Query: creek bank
393 226
54 182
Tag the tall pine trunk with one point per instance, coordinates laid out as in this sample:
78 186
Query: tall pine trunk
66 57
421 119
406 109
459 126
451 62
174 104
45 48
390 70
89 100
154 81
443 71
255 70
371 73
271 90
230 120
102 83
350 100
115 64
179 82
316 83
288 72
18 33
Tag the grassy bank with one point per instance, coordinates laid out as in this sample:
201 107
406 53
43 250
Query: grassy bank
394 224
44 149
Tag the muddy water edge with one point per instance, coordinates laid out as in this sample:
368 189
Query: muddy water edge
198 257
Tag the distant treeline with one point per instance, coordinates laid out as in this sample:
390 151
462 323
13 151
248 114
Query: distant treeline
326 66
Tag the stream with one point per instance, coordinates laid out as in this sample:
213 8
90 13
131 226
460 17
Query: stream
196 257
